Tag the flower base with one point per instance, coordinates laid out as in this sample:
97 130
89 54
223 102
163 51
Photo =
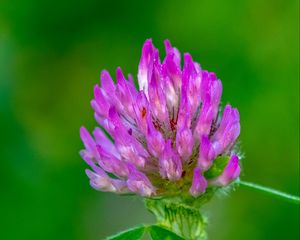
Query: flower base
181 215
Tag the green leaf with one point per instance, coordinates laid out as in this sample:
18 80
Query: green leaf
160 233
134 234
217 168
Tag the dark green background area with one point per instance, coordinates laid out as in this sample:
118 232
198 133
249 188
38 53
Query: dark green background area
51 55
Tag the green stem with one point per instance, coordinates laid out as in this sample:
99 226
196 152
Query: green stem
271 191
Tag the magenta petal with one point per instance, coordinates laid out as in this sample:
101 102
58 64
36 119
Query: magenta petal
125 94
172 51
230 173
111 164
101 181
190 91
172 97
107 82
170 163
88 141
191 76
157 97
205 119
141 108
130 149
206 154
155 140
102 140
199 183
130 80
114 120
88 158
173 71
216 93
228 131
205 85
172 65
144 65
185 113
127 145
108 88
100 104
184 141
139 183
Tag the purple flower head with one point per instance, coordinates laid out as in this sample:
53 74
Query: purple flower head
167 137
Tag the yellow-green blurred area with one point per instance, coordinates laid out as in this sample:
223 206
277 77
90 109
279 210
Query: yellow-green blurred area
51 55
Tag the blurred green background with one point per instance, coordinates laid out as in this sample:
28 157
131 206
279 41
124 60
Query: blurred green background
51 55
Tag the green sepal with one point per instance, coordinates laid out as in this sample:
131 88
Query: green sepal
217 168
184 220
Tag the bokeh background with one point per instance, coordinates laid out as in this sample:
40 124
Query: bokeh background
51 55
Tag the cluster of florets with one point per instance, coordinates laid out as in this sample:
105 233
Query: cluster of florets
165 137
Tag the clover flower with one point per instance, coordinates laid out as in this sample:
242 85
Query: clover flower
166 138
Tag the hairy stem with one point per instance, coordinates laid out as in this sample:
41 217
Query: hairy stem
271 191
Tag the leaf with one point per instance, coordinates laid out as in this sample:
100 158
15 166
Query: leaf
160 233
217 168
134 234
